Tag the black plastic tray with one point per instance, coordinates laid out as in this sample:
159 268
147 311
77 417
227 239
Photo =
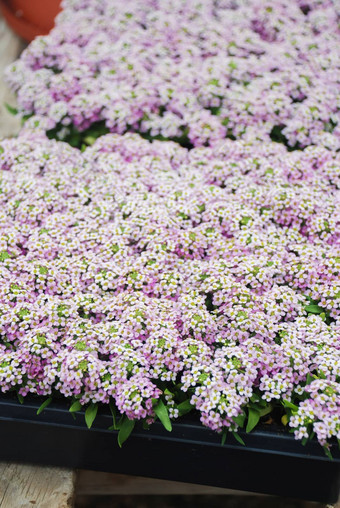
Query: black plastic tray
271 463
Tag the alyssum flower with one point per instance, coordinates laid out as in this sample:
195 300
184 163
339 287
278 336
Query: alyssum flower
140 274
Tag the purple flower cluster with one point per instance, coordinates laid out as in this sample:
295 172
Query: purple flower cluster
135 271
191 71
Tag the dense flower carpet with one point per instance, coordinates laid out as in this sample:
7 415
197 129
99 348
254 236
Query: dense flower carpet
191 71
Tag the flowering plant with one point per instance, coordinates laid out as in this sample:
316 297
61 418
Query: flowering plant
160 281
193 72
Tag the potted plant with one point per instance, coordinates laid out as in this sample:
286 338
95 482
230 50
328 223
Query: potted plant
182 293
160 293
29 19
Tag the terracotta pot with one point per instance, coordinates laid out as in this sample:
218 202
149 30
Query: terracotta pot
29 18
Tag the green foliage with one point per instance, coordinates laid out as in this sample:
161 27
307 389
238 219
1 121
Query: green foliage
328 452
4 255
310 378
253 419
115 425
90 414
76 406
240 419
290 405
46 403
13 111
277 135
238 438
185 407
126 426
80 139
162 413
224 438
314 309
285 419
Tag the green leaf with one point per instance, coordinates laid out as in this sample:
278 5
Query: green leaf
90 414
126 427
25 118
76 406
314 309
44 404
328 452
112 408
289 404
224 438
185 407
253 419
244 221
114 416
20 398
162 412
89 140
120 422
4 255
240 419
284 420
238 438
266 410
314 302
11 109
